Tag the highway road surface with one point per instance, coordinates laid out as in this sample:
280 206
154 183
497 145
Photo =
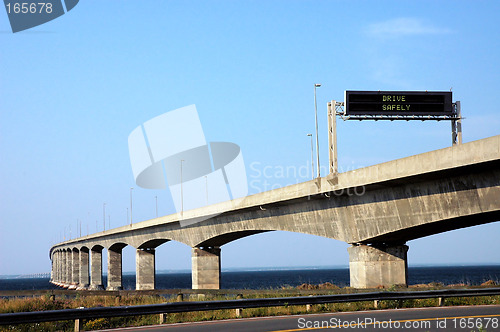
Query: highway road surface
465 318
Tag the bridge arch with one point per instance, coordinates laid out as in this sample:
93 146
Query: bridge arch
222 239
151 244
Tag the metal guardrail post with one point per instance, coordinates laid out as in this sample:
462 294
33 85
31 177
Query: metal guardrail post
79 322
163 318
78 325
309 306
440 301
239 310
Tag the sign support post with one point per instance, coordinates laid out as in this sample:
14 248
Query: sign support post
459 122
332 177
332 137
453 132
456 125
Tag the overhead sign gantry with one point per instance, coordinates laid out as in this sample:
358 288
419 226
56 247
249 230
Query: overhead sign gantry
392 105
397 104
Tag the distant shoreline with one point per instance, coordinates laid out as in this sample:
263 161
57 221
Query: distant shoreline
279 268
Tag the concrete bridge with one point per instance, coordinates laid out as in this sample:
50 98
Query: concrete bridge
376 209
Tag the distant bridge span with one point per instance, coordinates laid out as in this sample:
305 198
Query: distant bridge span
377 209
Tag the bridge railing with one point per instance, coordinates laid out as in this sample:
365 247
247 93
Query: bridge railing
175 307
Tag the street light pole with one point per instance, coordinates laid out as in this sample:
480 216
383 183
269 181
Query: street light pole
206 188
156 201
182 196
312 156
316 85
104 216
131 205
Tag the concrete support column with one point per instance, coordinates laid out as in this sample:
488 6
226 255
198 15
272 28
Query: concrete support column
83 282
145 269
57 265
53 273
67 268
206 268
75 261
51 269
378 265
96 269
114 269
61 266
76 266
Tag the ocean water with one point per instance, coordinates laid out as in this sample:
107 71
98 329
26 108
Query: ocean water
471 275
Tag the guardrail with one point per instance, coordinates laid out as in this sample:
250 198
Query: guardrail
174 307
165 292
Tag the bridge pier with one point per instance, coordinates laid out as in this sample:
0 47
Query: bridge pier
64 267
53 278
96 269
83 282
52 264
115 269
57 258
371 266
69 269
145 269
206 268
75 275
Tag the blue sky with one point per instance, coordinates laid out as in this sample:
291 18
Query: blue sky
73 89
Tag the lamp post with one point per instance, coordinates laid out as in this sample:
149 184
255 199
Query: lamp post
156 201
131 205
103 216
312 156
206 188
316 85
182 196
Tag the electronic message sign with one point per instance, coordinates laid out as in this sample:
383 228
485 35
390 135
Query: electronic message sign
399 103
